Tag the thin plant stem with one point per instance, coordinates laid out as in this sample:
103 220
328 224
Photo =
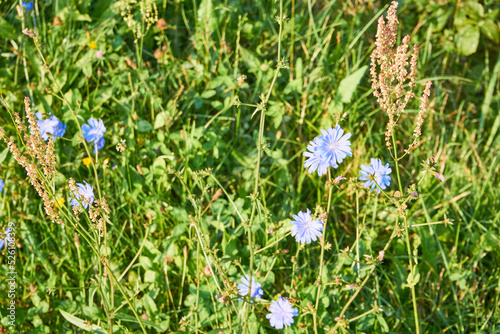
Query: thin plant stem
408 246
257 168
353 297
97 180
318 292
357 232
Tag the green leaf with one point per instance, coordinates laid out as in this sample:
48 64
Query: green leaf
383 323
144 126
72 13
467 40
82 324
7 31
150 305
366 323
131 318
92 312
145 262
473 10
208 94
206 15
161 119
3 155
490 29
349 84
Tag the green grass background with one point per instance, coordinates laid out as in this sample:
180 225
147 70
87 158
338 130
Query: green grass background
177 113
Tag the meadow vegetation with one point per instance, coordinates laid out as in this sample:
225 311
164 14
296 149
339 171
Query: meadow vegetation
250 166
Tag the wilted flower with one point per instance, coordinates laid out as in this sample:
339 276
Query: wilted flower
256 292
281 314
85 191
56 21
161 24
328 150
440 177
158 54
304 228
375 174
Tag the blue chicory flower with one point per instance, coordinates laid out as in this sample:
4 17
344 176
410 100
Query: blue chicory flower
282 313
7 236
94 132
374 174
256 292
52 126
99 144
304 228
28 6
328 150
2 184
85 191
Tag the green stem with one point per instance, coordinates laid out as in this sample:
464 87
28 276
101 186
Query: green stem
408 246
349 302
318 292
257 168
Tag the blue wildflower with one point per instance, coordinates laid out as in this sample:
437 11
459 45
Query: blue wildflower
52 126
328 150
99 144
375 174
7 232
7 236
2 184
85 191
281 314
93 132
28 6
256 292
304 228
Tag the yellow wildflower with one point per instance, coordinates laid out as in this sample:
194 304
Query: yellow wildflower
60 201
92 45
87 161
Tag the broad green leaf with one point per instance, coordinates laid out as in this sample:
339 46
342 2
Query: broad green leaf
82 324
349 84
3 155
206 15
150 305
382 323
7 31
490 29
144 126
70 12
161 119
467 40
208 94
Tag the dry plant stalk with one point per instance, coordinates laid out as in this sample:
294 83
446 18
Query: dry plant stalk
389 81
41 164
149 16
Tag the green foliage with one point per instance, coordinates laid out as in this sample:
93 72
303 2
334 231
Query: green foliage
174 111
